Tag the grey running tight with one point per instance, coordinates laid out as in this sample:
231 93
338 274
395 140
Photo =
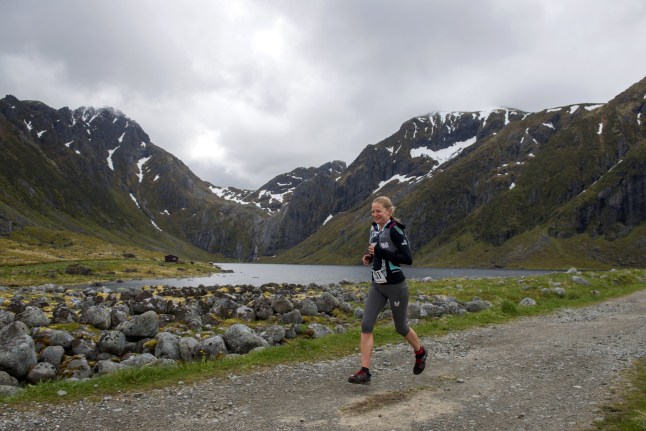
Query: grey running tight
378 294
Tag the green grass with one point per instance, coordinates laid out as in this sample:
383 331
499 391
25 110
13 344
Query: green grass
629 414
503 293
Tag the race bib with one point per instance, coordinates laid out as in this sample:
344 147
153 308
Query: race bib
379 276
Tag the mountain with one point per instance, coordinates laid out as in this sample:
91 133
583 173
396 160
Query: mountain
500 187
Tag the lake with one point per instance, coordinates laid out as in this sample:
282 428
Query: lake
256 274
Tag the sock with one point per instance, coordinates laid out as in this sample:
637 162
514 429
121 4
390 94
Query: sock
420 352
365 370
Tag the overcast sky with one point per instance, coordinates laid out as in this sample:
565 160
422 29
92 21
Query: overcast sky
242 91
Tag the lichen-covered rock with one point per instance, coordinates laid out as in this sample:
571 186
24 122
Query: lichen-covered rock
7 379
106 367
52 354
98 316
113 342
6 317
76 367
17 354
241 339
42 372
33 317
86 347
281 304
326 302
293 317
167 346
318 330
307 307
211 348
274 334
141 360
187 347
143 325
477 305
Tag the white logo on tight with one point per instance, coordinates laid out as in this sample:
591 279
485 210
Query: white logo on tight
396 303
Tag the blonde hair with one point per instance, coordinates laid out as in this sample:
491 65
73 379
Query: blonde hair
387 204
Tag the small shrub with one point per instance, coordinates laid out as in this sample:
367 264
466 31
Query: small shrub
509 307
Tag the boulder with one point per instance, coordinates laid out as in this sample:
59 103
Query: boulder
42 372
98 316
294 317
307 307
281 305
76 367
85 347
224 308
63 314
318 330
112 342
241 339
6 317
326 302
167 346
274 334
211 348
33 317
187 347
17 354
140 360
527 302
143 325
477 304
245 313
52 354
61 338
104 367
7 380
262 308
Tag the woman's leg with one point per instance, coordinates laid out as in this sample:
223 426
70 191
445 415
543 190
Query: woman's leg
367 343
413 340
374 304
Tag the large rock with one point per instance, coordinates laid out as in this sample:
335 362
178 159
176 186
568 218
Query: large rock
17 354
143 325
140 360
42 372
241 339
52 354
76 367
281 305
99 317
33 317
294 317
106 367
167 346
86 347
326 302
61 338
6 317
274 334
187 347
307 307
112 342
210 348
7 380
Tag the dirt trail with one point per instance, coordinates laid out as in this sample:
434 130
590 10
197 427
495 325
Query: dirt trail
544 373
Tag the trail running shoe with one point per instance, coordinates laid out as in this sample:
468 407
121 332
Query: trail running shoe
360 377
420 362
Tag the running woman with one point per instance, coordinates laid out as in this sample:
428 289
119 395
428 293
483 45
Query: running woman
388 250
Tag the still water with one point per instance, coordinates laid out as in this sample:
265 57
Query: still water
256 274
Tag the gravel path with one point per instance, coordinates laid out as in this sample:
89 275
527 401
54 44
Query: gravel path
544 373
